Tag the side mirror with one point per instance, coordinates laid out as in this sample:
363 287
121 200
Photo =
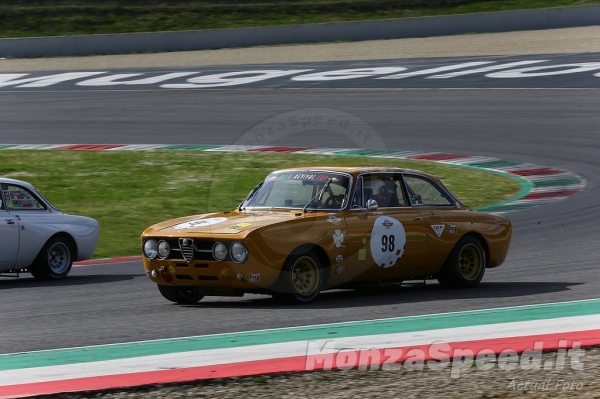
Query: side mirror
372 205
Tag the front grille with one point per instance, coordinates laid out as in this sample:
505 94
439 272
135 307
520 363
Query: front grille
186 245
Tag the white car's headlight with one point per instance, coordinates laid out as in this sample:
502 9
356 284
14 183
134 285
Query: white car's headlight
239 252
163 249
219 251
150 248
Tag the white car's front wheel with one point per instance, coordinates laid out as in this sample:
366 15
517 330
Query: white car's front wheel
54 260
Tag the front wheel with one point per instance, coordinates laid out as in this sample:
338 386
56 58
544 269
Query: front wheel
181 295
465 266
54 260
300 280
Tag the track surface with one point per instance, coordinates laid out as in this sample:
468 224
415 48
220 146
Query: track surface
553 256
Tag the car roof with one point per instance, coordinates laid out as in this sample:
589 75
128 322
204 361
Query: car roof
15 181
356 170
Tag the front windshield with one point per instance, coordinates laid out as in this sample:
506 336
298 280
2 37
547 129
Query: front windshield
294 190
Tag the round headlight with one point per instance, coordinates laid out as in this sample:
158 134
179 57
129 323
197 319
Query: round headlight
150 248
163 249
219 251
239 252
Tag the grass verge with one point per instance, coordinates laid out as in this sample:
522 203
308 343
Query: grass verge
129 191
76 17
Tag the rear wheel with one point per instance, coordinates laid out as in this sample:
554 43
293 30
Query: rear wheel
465 266
181 295
54 260
300 280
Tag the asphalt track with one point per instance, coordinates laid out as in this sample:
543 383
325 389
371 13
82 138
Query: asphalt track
553 257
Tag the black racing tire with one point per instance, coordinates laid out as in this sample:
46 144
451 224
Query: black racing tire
181 295
465 266
300 280
54 260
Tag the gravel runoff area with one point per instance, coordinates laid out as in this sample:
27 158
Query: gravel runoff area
570 40
396 383
475 383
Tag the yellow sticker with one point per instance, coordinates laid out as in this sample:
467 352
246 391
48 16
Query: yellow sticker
362 254
238 226
172 269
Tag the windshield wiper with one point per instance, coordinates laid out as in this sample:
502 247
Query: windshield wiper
319 195
249 196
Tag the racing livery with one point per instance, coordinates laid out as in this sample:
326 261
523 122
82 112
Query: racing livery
305 230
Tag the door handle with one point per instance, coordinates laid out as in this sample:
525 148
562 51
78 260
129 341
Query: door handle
10 221
418 218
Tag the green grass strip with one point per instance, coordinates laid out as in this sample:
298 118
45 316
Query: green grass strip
281 335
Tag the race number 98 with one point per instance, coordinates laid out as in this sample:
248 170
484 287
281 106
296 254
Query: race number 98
388 239
387 243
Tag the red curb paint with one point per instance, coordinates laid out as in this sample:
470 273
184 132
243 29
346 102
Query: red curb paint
91 262
536 172
90 147
550 194
291 364
280 149
437 157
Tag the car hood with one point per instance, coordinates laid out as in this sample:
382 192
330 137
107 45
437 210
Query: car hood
224 222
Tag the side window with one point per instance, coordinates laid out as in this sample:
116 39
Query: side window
19 198
385 188
423 191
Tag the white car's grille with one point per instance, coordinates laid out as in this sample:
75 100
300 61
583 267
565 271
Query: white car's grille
186 245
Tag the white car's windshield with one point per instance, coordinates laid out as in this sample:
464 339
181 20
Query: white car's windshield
296 189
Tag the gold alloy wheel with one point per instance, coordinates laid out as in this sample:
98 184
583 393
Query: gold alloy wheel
306 278
470 261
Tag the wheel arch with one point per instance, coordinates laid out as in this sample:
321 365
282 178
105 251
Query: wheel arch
71 241
314 248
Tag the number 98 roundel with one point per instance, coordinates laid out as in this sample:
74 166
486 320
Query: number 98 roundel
387 241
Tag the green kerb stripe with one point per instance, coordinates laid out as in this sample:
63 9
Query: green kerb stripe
495 164
327 331
557 182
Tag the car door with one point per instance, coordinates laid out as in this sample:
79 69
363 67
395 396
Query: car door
9 235
388 242
32 216
438 209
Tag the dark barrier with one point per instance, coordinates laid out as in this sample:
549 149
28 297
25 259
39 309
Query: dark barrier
547 18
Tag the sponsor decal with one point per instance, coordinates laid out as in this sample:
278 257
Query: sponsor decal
334 220
339 269
438 228
388 240
362 254
339 258
238 226
254 277
338 238
199 223
452 228
416 200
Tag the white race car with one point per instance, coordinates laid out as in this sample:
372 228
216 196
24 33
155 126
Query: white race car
36 237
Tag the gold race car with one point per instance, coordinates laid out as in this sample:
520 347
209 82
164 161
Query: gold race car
305 230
